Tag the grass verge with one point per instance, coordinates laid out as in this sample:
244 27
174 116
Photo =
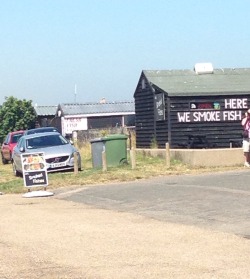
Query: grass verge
146 167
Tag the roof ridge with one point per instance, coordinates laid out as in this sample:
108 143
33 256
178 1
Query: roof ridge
97 103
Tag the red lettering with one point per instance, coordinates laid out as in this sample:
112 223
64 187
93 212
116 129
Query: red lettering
205 106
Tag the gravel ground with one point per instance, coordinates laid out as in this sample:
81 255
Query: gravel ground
51 238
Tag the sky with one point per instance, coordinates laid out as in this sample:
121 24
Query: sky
67 51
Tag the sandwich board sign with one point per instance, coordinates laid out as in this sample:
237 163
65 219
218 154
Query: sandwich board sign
34 170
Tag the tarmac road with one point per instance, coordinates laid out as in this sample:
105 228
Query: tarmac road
218 201
175 227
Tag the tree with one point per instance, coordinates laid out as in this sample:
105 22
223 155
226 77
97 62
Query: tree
16 115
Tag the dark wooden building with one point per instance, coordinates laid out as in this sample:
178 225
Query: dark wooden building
102 115
82 117
200 108
45 115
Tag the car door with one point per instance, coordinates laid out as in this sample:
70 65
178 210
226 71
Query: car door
18 150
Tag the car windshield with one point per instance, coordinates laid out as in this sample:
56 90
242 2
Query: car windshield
45 141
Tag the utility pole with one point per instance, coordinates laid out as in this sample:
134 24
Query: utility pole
75 92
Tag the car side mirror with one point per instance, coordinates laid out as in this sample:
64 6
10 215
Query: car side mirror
21 149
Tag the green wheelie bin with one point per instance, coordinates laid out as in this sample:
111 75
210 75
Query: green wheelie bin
114 145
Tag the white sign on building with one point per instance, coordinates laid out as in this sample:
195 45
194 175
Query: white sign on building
71 124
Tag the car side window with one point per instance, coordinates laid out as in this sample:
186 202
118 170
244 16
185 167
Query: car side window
20 143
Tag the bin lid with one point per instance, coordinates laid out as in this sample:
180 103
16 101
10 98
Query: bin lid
109 137
96 140
115 137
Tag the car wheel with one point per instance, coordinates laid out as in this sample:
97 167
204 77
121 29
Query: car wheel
15 171
4 161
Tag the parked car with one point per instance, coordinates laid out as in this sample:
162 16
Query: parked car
58 151
9 144
40 130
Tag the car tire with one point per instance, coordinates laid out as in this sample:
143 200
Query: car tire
15 171
4 161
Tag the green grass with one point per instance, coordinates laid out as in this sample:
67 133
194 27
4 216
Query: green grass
146 167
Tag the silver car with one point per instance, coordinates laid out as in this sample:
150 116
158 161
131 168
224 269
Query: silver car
58 151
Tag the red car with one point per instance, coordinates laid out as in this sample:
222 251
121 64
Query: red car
8 145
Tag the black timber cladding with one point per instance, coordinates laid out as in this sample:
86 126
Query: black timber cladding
208 106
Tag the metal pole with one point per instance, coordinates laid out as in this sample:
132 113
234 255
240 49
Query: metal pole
167 155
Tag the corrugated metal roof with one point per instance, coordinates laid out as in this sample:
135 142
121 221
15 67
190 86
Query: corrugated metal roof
98 108
45 110
189 83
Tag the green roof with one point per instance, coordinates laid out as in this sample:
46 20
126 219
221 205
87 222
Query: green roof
45 110
126 107
189 83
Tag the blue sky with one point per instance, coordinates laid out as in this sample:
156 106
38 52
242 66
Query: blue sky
52 49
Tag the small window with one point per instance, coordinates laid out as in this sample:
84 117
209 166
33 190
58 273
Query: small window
143 84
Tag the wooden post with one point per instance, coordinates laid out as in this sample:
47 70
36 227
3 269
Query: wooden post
75 163
132 158
74 137
104 161
167 155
